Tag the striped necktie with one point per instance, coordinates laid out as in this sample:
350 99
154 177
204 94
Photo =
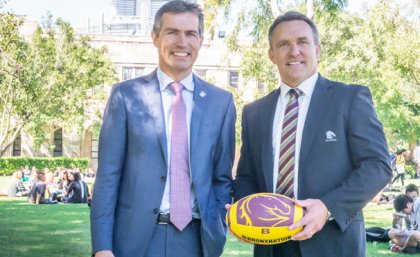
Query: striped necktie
285 179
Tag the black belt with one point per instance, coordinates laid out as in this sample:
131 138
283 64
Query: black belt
165 218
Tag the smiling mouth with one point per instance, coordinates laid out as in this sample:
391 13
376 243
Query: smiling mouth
181 54
294 63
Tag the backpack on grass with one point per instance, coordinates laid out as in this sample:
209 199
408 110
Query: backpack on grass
377 234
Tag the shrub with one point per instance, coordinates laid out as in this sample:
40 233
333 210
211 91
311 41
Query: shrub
411 170
10 164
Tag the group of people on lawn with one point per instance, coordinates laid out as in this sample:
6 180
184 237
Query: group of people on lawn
45 187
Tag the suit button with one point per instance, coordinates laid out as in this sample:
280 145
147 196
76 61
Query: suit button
163 178
156 210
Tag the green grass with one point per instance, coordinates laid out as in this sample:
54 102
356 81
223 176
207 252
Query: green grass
62 230
58 230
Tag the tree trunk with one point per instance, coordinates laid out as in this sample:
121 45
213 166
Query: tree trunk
412 146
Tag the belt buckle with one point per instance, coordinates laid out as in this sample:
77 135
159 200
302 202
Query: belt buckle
163 219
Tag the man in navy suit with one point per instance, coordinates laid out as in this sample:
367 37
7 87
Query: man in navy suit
340 159
132 211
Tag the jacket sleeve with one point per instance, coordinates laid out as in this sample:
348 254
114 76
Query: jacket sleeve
112 144
369 157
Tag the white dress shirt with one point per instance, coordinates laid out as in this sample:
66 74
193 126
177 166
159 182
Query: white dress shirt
167 99
306 88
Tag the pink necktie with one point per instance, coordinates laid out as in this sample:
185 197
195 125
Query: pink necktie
285 179
181 213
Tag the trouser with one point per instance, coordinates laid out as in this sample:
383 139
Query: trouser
400 175
168 241
286 249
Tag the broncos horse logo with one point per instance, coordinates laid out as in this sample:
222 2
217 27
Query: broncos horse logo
265 211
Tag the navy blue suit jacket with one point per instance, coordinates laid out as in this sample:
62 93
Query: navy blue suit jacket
133 165
345 172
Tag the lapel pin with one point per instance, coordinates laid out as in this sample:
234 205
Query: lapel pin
203 94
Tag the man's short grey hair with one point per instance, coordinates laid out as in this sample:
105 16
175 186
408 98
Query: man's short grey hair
292 16
178 6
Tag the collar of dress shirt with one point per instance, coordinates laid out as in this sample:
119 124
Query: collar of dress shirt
165 80
307 86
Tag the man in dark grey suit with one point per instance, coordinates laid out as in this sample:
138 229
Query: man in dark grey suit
336 152
160 129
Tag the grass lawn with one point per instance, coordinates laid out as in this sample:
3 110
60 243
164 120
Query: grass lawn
62 230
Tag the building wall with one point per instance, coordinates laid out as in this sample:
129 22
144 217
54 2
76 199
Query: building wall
135 52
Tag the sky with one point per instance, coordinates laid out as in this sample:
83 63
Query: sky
78 12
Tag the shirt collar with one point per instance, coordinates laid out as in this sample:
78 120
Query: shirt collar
165 80
306 87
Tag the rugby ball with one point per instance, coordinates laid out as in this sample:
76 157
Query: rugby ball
264 218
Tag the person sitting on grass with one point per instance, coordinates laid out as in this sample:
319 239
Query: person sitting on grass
407 205
38 190
52 186
412 191
78 191
16 187
405 240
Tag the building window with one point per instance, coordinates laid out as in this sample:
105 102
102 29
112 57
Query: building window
125 7
126 73
201 73
17 144
261 86
131 72
138 72
155 5
234 79
95 144
58 142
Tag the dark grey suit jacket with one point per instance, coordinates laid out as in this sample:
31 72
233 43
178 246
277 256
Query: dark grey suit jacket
345 172
133 165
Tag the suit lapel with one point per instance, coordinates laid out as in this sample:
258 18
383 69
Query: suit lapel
266 128
154 100
199 104
318 106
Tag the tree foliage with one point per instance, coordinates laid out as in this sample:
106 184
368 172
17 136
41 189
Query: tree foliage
379 49
45 78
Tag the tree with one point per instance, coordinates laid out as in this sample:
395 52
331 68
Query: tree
46 79
379 50
253 18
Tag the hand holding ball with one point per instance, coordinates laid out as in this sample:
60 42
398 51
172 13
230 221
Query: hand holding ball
264 218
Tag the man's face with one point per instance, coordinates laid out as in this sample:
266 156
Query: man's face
178 43
408 209
412 194
294 52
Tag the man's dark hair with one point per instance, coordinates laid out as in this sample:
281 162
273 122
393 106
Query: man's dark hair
411 188
292 16
401 201
40 175
401 151
76 176
178 6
